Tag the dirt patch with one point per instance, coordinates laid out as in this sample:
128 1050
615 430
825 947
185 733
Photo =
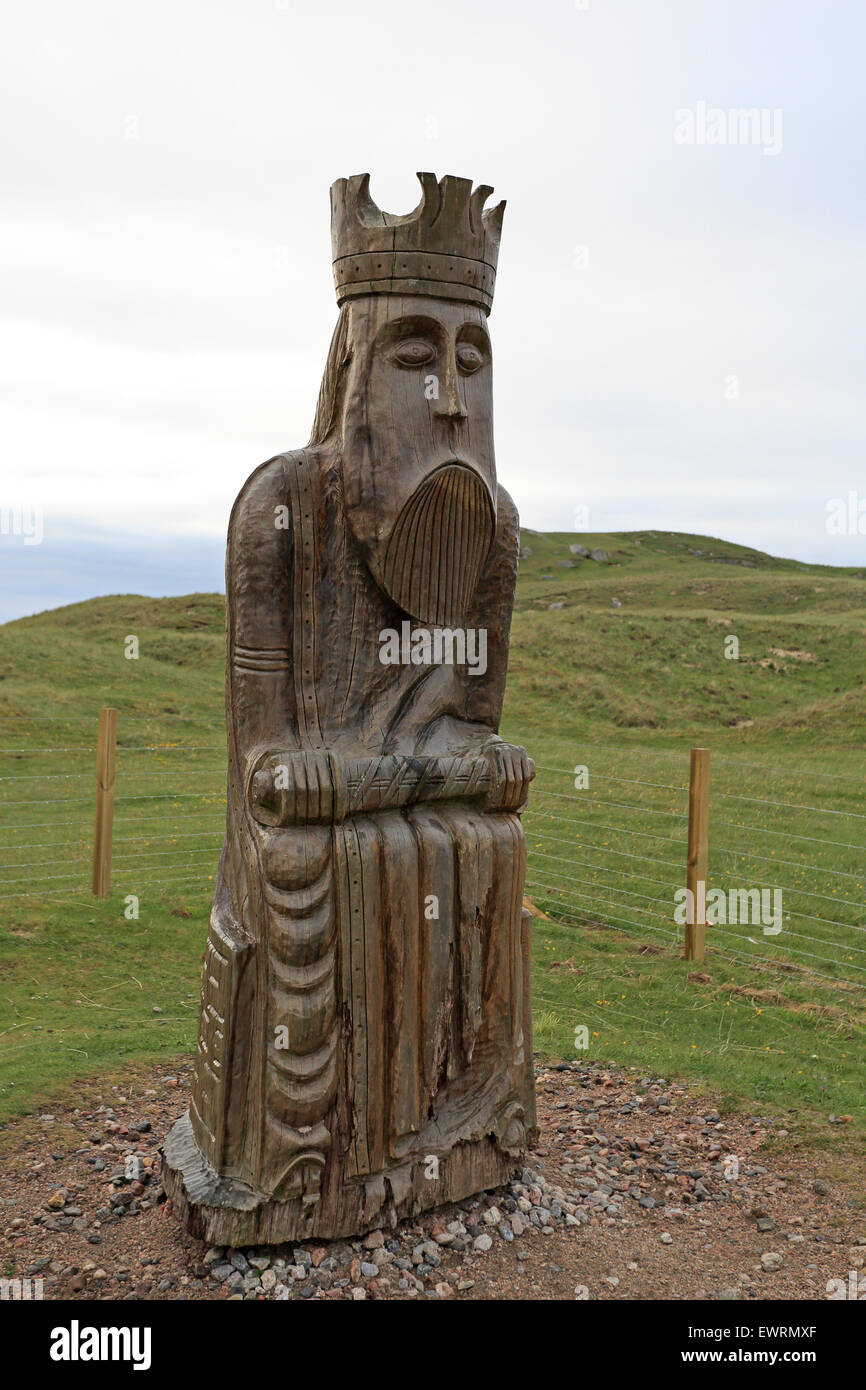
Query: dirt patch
773 996
793 654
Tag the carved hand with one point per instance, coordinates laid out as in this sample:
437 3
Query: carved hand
297 788
513 771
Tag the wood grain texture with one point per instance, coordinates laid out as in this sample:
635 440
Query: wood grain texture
698 852
103 829
365 1039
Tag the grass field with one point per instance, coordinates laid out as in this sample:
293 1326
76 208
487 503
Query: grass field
621 690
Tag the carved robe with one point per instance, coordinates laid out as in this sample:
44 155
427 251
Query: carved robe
373 970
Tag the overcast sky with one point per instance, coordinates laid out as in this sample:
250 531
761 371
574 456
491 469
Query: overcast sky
678 324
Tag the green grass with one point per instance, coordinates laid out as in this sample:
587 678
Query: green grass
759 1040
624 691
81 986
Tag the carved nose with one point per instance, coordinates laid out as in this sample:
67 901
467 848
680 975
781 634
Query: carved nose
450 404
453 409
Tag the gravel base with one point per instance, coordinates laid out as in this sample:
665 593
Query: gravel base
637 1189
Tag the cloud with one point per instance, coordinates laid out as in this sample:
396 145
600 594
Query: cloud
166 257
72 564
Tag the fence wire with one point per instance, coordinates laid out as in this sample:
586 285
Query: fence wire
592 860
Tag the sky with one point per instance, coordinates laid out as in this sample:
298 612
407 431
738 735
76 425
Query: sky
678 321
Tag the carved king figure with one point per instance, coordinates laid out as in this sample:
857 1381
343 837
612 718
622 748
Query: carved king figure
364 1045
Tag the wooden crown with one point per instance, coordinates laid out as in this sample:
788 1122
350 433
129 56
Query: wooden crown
447 247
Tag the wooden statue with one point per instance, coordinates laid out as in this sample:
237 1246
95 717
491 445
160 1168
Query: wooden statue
364 1046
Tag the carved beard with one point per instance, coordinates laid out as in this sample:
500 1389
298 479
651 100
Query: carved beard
439 543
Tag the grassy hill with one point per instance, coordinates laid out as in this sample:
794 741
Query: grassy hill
657 662
654 664
618 664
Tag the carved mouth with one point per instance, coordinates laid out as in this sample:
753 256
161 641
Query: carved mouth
439 544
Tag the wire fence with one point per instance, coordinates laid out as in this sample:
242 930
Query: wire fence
607 838
169 809
786 877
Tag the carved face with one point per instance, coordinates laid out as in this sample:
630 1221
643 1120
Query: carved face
417 434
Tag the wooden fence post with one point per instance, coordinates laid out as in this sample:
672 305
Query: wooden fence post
696 863
106 760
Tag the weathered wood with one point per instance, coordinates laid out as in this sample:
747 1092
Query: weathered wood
106 761
365 1041
698 852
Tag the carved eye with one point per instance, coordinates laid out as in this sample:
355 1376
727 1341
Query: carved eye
414 352
469 358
